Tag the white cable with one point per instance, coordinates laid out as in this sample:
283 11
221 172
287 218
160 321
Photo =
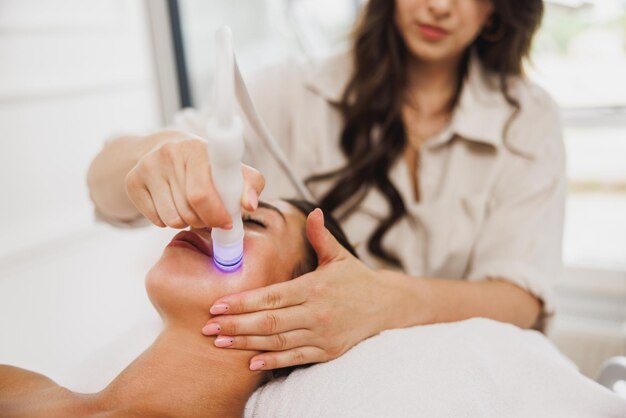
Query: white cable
241 92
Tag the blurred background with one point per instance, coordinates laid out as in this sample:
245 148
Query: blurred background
75 72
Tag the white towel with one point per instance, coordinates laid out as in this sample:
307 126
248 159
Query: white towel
475 368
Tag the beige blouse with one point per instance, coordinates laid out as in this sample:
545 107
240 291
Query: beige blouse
491 205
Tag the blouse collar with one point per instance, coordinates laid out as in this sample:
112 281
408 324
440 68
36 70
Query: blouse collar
481 114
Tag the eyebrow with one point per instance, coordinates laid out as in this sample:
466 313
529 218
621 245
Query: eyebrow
266 205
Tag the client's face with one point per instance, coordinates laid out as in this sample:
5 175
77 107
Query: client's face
184 283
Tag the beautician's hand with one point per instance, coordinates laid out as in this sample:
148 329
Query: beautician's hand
171 185
313 318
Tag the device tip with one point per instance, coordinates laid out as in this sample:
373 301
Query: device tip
228 265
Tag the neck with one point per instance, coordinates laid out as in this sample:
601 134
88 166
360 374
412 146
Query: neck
183 374
432 85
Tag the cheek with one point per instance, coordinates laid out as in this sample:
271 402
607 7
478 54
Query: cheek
474 17
402 16
269 259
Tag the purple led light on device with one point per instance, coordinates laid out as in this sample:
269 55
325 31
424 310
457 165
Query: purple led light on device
229 260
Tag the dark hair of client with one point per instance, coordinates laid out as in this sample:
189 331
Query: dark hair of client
309 262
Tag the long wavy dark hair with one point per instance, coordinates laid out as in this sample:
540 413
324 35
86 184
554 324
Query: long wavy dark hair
374 135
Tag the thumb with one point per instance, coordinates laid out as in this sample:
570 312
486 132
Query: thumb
325 245
253 185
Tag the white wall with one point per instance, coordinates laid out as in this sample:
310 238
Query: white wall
72 300
71 71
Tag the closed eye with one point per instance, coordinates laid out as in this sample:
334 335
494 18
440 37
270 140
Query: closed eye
249 219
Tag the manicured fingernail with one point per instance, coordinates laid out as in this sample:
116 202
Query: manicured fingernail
211 329
218 309
253 199
321 215
257 364
224 341
228 226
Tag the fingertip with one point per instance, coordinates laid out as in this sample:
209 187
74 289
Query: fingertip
317 217
256 365
226 221
315 225
253 178
320 215
253 198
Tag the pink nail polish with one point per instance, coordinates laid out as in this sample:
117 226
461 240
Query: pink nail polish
218 309
256 365
224 341
211 329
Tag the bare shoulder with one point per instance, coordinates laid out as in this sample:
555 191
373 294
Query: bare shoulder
14 380
28 394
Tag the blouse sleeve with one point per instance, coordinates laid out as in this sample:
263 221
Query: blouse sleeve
521 238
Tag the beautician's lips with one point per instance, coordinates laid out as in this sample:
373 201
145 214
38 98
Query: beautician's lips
432 32
198 243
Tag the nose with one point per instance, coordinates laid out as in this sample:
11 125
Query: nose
440 9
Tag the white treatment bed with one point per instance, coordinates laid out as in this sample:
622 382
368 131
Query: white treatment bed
475 368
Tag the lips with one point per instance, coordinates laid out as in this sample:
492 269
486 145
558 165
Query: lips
431 32
192 241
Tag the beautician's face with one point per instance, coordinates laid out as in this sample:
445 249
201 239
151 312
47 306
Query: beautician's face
440 30
184 283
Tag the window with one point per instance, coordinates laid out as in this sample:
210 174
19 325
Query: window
580 57
265 31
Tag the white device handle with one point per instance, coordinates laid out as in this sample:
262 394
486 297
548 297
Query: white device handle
226 148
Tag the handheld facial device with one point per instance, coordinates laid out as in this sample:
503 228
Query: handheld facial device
226 147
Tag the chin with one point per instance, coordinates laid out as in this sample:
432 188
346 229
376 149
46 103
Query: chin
179 286
183 284
431 55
